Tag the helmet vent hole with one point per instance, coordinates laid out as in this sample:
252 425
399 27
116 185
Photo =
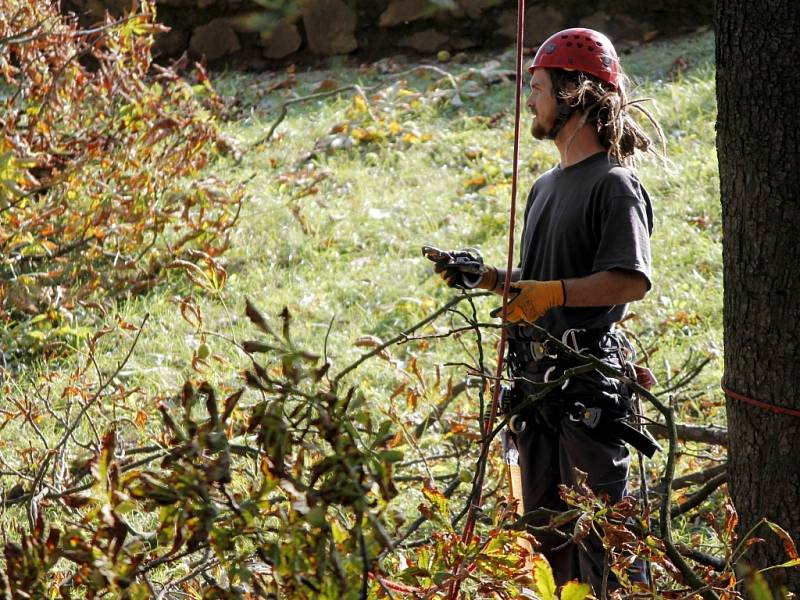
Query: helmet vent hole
579 45
564 37
599 43
590 49
569 44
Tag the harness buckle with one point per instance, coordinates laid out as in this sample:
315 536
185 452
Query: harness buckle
588 416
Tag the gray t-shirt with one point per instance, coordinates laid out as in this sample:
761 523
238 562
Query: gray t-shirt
589 217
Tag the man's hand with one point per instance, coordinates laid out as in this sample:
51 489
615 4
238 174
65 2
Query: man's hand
463 269
458 277
533 299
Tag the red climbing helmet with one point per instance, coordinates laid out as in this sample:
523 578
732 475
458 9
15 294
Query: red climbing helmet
579 49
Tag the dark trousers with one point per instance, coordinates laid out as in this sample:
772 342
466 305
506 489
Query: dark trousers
549 457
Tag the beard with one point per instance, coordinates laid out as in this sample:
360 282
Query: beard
538 131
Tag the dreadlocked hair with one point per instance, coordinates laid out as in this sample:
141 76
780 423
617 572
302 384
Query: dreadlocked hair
609 111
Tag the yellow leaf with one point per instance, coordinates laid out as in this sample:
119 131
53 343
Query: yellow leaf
476 181
543 578
368 341
359 104
575 591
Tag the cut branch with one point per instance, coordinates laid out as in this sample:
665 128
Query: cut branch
705 434
699 496
715 562
699 477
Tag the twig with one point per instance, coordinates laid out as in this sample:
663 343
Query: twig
432 68
102 387
285 108
665 520
19 38
699 477
33 497
700 495
378 349
439 409
450 332
449 476
687 378
448 492
408 463
204 566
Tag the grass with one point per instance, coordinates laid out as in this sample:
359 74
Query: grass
335 234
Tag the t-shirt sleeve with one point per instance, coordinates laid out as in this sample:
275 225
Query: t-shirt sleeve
625 225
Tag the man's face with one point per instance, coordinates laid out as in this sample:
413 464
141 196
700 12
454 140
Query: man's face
542 104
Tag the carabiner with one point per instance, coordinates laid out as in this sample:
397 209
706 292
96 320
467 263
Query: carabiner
513 425
547 377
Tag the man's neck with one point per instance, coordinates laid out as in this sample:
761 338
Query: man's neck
577 141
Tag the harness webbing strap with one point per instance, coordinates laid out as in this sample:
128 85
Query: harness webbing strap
475 505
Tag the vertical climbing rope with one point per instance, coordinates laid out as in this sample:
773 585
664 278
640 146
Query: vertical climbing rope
469 526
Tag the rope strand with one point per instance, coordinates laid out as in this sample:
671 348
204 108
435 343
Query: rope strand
469 525
782 410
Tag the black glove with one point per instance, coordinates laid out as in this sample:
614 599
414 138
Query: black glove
462 269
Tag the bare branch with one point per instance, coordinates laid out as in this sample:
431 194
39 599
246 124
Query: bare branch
699 477
705 434
284 110
700 495
717 563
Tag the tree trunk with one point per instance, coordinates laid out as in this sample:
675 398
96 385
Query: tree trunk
758 95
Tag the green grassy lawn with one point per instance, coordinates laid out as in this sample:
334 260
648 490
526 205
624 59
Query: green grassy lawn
337 236
350 186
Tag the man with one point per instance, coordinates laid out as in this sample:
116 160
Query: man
585 255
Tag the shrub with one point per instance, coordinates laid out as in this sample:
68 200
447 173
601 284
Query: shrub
101 153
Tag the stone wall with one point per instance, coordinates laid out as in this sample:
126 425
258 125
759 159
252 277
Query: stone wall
243 33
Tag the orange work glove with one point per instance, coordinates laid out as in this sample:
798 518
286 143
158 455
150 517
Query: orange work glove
533 299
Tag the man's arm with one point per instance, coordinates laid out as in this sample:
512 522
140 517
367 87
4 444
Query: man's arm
499 279
606 288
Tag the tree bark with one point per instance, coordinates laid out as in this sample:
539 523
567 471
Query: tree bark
758 95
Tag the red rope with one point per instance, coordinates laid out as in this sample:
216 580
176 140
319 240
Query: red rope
469 525
760 404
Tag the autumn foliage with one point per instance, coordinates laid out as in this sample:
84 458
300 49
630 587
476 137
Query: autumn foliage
101 154
287 480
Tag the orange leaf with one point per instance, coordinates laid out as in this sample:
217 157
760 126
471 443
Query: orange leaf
788 542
